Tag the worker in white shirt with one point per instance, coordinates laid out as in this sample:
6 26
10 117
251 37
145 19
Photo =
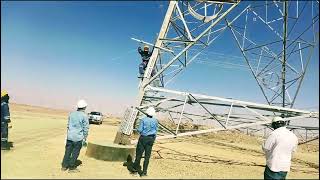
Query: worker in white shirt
278 148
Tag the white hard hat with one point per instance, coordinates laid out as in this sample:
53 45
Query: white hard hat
82 104
276 119
146 47
151 111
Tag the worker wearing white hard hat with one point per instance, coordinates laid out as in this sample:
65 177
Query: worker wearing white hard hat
78 128
279 147
148 128
145 57
81 104
151 111
145 53
146 48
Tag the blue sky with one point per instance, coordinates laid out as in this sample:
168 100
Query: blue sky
53 53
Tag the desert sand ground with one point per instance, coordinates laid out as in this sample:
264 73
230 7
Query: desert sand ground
39 139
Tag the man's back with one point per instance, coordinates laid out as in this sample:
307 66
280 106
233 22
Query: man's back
286 141
148 126
77 126
279 147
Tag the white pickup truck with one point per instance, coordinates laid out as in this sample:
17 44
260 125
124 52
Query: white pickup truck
95 117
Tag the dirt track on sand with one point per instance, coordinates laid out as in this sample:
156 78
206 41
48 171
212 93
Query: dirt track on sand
39 139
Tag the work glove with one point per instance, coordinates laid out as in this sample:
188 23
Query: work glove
84 143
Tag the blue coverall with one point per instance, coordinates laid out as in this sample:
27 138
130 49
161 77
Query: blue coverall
145 55
5 119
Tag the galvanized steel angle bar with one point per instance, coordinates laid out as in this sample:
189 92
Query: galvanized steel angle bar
229 113
260 115
184 104
248 104
247 61
303 73
184 23
270 27
207 110
266 49
293 41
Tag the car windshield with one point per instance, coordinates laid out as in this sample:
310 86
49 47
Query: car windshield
95 113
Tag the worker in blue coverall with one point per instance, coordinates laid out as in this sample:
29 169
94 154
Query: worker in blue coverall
78 128
5 119
148 128
145 57
145 54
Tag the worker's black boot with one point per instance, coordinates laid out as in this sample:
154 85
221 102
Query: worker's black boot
78 162
143 174
10 144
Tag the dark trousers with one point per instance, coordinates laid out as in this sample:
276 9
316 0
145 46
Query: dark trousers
268 174
4 132
71 154
145 144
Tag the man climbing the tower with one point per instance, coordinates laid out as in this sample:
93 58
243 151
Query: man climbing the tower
145 54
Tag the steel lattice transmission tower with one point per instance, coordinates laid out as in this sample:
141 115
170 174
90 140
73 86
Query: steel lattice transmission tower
279 63
188 29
